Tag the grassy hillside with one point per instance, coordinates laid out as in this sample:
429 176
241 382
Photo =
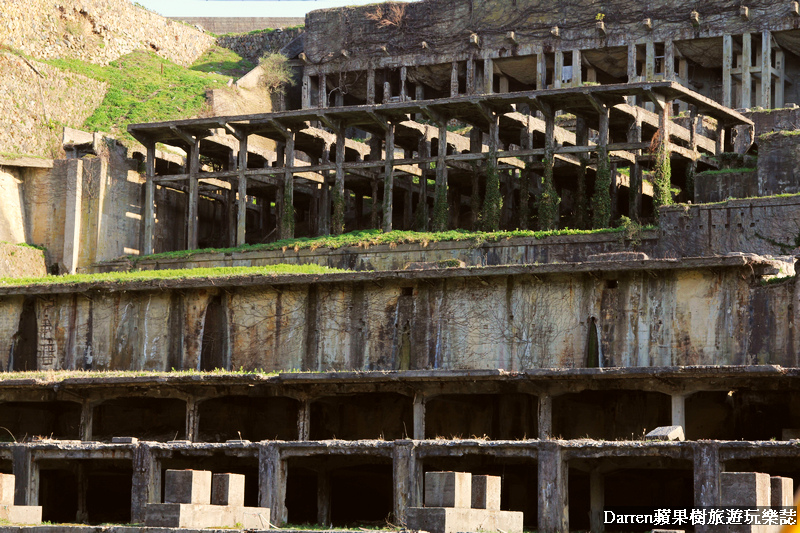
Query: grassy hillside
143 87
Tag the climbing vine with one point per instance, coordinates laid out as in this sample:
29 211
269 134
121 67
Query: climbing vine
492 200
287 218
440 209
690 172
524 196
601 199
662 173
337 220
549 200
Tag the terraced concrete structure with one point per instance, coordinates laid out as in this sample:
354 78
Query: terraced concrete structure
542 360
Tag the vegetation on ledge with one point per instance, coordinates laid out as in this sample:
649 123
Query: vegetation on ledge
183 273
374 237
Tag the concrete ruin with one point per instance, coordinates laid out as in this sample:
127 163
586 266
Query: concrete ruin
535 364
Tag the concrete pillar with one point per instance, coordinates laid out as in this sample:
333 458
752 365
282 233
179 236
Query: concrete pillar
146 481
82 481
553 489
374 216
323 498
650 61
306 94
388 178
727 66
403 88
193 196
148 213
424 151
408 198
766 69
407 474
370 86
26 488
746 76
577 75
488 76
440 208
73 214
454 79
323 91
679 410
669 60
558 69
192 420
545 416
304 420
471 75
272 482
337 222
780 85
744 489
286 222
419 416
503 84
631 62
241 217
706 477
87 418
596 500
541 71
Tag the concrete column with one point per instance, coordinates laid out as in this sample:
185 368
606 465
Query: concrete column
304 420
388 178
780 68
26 488
541 71
720 144
272 482
286 222
306 94
650 61
582 139
146 481
407 473
488 76
766 69
419 91
192 420
374 216
727 66
454 79
471 76
403 89
553 489
73 214
323 91
148 213
679 410
746 76
596 500
193 197
706 477
325 205
419 416
337 222
387 92
577 74
424 151
323 498
440 208
669 60
82 515
230 203
558 69
87 418
635 183
408 198
241 217
631 63
370 86
545 416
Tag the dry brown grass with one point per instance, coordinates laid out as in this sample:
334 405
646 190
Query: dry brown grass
392 17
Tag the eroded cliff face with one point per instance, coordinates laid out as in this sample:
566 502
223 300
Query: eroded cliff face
713 315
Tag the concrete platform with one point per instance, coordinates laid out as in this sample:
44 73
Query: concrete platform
454 520
21 514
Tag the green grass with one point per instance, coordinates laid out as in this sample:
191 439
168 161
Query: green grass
184 273
726 171
373 237
143 87
223 61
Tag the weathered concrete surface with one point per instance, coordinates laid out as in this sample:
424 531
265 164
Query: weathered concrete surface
518 250
220 25
644 313
767 226
455 520
778 157
198 516
21 261
12 214
717 186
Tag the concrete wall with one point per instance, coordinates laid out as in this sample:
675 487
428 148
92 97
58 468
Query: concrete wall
779 154
254 45
220 25
12 210
376 322
718 186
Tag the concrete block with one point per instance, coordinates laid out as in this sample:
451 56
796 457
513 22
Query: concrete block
486 492
744 489
666 433
124 440
187 486
185 515
7 489
454 520
227 489
781 491
448 489
21 514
